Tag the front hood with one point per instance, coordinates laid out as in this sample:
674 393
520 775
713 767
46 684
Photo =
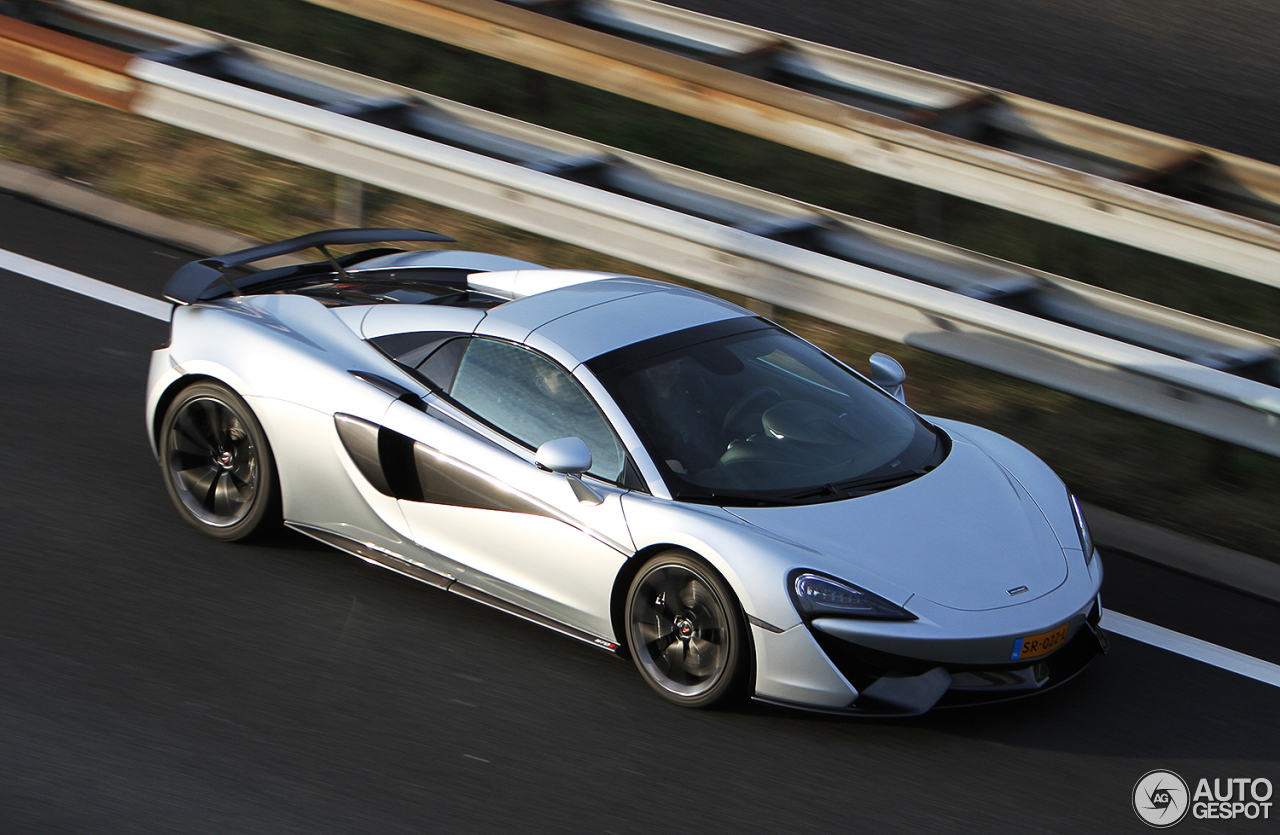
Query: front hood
966 536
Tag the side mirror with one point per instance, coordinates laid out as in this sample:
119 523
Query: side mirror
888 374
569 456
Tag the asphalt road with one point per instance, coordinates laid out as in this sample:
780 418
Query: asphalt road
1202 70
153 680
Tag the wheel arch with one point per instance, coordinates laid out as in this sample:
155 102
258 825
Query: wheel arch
170 376
267 515
170 394
627 573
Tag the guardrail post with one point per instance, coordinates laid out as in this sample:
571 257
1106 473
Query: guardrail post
762 308
348 202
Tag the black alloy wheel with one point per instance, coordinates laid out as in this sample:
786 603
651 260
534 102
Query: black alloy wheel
686 631
217 465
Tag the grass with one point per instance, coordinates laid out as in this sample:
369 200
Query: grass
1135 466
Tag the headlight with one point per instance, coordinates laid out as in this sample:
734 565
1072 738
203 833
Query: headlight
1082 528
815 596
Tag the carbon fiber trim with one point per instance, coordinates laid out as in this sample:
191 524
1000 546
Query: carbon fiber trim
533 617
386 559
377 556
360 440
447 481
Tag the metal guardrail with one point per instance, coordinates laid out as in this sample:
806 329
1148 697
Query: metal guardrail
72 65
1119 183
763 246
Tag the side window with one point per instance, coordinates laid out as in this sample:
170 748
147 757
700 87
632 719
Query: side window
534 401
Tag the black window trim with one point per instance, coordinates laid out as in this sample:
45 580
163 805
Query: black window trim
432 340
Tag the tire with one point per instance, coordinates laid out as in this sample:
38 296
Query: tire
686 631
217 465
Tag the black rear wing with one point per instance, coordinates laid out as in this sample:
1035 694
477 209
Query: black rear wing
207 278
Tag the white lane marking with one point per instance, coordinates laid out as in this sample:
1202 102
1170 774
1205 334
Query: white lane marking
1212 654
1147 633
85 286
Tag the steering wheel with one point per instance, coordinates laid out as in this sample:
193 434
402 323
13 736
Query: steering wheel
745 405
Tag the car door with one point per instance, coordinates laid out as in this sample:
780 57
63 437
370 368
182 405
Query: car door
546 542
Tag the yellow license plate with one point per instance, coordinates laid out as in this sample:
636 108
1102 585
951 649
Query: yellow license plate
1035 646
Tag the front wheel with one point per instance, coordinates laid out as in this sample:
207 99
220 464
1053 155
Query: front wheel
686 631
217 465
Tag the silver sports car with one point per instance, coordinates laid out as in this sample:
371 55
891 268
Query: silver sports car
638 465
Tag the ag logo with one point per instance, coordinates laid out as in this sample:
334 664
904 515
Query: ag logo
1160 798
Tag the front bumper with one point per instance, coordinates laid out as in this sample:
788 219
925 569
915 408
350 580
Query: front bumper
888 684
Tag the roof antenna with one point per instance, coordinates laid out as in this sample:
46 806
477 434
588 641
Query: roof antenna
346 276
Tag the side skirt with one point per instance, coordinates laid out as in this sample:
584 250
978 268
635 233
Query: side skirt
383 558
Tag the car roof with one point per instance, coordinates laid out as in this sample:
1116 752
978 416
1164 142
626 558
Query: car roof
572 324
590 332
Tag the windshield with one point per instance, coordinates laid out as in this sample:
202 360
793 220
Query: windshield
762 416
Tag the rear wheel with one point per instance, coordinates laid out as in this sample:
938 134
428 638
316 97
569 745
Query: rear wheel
686 631
217 465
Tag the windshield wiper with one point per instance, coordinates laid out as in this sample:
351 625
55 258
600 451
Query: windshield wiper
739 500
802 496
857 486
882 482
